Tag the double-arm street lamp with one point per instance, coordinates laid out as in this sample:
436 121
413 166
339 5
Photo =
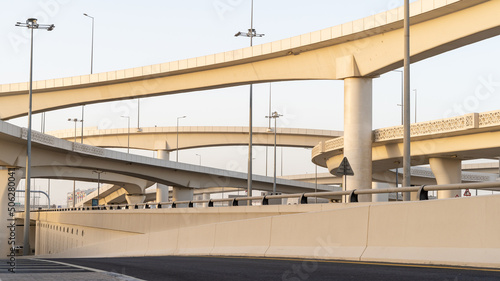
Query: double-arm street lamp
275 116
76 121
74 182
251 33
31 24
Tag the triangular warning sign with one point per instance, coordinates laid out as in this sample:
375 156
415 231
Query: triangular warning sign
345 168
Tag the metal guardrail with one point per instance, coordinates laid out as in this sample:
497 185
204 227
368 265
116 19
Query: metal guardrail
422 194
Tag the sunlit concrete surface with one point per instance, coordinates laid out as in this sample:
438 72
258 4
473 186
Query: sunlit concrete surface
362 48
428 232
165 138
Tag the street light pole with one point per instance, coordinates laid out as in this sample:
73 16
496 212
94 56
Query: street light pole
91 63
92 46
128 133
316 181
31 23
74 120
406 103
177 144
74 181
83 111
402 93
98 172
415 90
275 116
251 33
269 126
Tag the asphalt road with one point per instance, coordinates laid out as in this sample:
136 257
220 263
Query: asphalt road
240 268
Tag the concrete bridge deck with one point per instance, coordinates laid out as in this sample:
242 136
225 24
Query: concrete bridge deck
362 48
164 138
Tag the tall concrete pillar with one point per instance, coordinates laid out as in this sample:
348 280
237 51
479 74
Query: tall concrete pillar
358 133
206 196
182 194
161 189
380 197
5 229
447 171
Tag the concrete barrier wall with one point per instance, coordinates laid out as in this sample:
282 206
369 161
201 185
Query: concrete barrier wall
461 231
61 231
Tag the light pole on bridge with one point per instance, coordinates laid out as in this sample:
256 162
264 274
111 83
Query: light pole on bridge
75 120
251 33
177 144
275 116
91 62
31 24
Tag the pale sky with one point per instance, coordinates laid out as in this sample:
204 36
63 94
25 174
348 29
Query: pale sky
137 33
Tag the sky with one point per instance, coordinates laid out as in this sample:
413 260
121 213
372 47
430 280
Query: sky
137 33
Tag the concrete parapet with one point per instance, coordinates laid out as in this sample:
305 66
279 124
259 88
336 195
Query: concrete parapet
450 231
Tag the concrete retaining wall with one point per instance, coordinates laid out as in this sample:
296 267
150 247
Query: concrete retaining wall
461 231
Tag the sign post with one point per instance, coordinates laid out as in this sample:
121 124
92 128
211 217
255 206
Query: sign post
345 170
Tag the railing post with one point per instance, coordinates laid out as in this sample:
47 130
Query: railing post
422 194
265 201
303 199
234 202
353 197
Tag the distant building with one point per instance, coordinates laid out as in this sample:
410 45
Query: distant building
79 194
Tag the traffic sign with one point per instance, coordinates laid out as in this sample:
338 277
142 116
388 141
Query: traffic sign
467 192
345 168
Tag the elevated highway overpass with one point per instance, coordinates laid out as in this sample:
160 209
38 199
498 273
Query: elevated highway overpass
165 138
442 143
60 156
366 47
428 232
356 52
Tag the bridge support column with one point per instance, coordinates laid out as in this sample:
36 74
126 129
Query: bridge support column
162 193
380 197
447 171
135 198
206 196
5 231
358 133
182 194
